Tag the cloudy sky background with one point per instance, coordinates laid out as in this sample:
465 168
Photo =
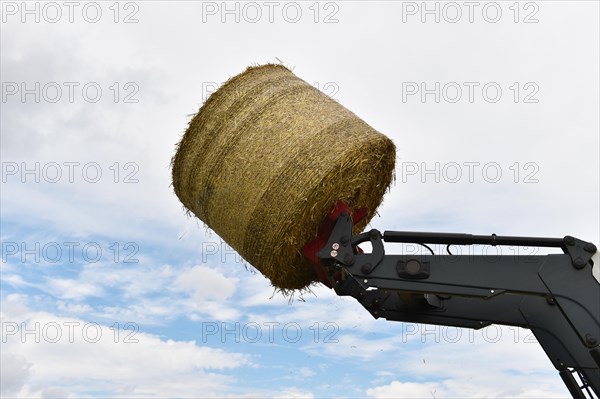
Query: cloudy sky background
165 308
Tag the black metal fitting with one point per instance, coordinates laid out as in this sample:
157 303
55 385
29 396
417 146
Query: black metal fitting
345 240
590 340
579 263
413 269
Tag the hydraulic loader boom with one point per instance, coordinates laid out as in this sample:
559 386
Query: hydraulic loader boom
556 296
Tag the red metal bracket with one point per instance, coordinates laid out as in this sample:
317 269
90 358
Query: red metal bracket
311 248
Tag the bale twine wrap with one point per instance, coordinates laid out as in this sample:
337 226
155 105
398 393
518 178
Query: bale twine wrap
267 157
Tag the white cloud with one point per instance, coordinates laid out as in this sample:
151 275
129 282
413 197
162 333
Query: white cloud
295 393
463 388
72 289
205 283
13 373
146 293
82 358
398 389
73 308
507 364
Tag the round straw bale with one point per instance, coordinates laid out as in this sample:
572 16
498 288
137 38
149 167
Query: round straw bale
267 157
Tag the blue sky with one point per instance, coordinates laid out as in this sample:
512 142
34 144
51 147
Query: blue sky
109 290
